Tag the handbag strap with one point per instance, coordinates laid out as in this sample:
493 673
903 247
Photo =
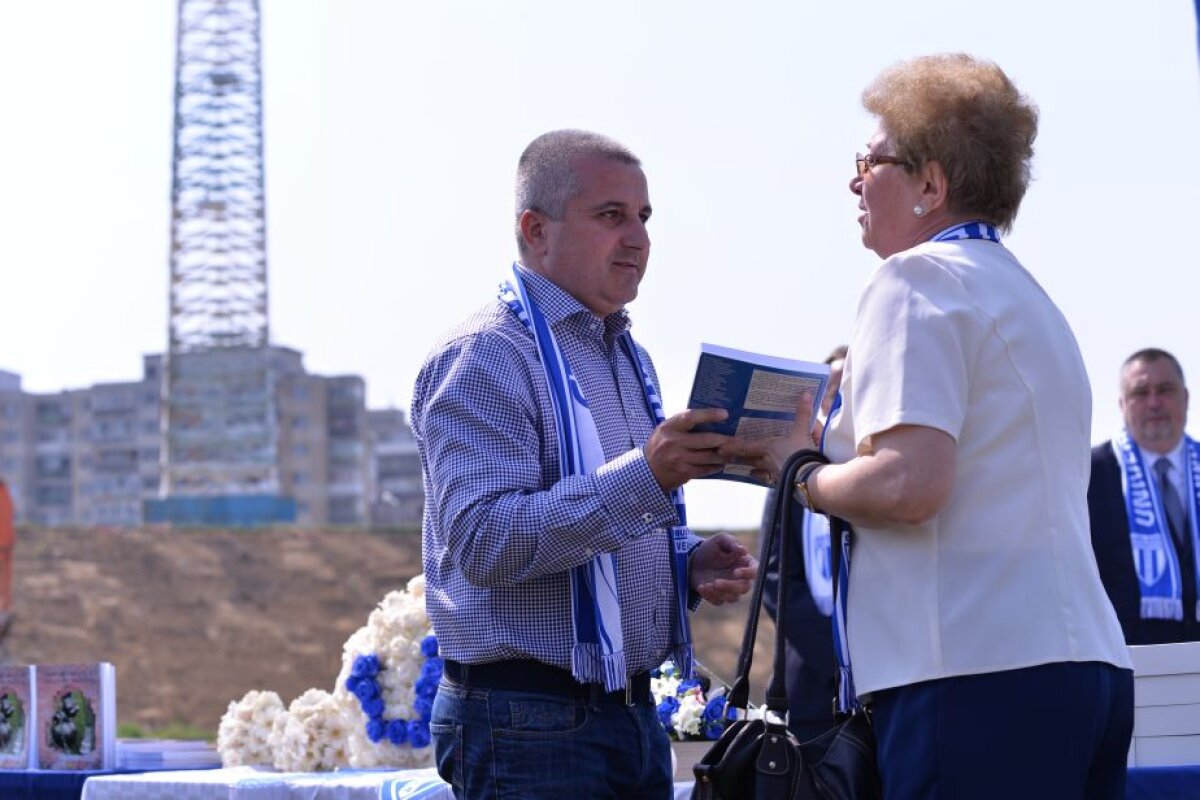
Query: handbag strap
845 698
776 697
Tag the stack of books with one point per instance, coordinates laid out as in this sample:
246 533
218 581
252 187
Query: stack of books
162 754
58 716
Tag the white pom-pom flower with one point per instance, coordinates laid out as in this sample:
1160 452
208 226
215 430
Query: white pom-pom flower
244 734
312 736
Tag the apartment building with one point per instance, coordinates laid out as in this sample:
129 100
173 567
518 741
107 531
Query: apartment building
396 470
93 456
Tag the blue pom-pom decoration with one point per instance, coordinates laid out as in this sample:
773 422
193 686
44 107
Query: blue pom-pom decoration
429 646
424 707
365 666
363 683
374 707
397 731
367 689
418 733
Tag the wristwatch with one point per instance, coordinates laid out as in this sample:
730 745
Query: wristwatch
802 493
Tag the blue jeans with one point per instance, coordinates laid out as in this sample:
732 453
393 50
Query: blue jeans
493 743
1056 731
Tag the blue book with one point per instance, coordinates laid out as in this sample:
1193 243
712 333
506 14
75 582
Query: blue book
760 392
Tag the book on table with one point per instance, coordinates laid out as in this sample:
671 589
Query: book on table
76 716
760 392
166 754
18 710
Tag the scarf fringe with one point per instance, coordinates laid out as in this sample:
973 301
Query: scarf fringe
590 665
1163 608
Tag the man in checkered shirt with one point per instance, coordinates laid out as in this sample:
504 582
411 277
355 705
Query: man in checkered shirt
503 529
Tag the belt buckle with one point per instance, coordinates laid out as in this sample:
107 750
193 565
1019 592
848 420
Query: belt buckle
629 692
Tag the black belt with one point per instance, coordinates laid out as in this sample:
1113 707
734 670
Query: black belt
526 675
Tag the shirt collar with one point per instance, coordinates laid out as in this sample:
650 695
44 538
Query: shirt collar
557 304
1174 455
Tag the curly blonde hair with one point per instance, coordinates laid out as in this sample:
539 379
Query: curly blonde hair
965 114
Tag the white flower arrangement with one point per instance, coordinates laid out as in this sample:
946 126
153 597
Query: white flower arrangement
687 709
398 634
312 735
244 735
393 667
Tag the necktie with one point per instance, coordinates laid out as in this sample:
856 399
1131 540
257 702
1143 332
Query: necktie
1176 517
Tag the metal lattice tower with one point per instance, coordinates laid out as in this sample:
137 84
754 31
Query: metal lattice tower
220 434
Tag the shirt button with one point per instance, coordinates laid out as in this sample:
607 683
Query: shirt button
588 552
647 518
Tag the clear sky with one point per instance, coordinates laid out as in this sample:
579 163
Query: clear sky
393 129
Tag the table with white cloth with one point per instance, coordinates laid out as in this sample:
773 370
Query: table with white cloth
261 783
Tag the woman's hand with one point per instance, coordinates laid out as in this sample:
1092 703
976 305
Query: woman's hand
767 456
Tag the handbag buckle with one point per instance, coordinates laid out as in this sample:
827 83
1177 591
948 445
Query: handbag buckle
773 757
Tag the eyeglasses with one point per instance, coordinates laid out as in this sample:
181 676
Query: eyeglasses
865 163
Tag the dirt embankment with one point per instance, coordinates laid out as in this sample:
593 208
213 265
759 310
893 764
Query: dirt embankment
194 619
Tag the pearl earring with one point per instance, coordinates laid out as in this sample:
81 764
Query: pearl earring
919 210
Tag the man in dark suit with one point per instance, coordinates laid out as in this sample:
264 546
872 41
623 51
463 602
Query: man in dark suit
1154 401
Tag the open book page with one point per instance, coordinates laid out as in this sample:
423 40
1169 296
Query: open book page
759 391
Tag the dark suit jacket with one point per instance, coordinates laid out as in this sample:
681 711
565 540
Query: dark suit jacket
1114 557
807 634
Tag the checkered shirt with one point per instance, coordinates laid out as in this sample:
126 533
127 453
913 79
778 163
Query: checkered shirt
501 529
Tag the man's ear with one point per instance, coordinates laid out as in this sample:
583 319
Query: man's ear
533 231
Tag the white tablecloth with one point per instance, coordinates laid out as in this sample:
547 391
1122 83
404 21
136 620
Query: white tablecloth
260 783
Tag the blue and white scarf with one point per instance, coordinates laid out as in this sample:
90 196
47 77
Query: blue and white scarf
969 230
818 567
598 655
818 562
1155 558
847 698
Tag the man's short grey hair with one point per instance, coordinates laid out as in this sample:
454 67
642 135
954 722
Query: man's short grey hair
546 177
1153 354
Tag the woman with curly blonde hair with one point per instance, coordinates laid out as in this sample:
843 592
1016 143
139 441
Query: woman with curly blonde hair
978 629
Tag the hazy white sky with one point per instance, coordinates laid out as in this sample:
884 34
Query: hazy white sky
393 128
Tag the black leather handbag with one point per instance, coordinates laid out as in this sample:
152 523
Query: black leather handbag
760 759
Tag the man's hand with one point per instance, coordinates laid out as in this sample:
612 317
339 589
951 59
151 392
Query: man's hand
676 453
722 569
